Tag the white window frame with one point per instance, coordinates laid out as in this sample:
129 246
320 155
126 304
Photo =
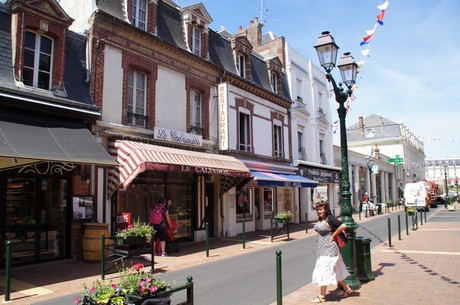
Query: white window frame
140 7
277 139
38 55
196 109
137 96
242 65
244 131
196 41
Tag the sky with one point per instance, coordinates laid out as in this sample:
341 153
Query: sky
412 72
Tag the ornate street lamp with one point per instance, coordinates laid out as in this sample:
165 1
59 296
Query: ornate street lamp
327 53
370 163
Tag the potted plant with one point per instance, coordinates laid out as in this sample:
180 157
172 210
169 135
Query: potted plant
410 211
133 282
136 233
283 217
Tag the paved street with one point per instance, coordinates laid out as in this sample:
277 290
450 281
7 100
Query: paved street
423 266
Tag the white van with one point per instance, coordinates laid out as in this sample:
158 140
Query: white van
417 195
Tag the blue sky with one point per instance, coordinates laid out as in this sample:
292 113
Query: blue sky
412 73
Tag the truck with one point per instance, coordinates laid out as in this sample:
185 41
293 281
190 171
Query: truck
417 195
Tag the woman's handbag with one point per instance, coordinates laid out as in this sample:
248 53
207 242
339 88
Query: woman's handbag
341 239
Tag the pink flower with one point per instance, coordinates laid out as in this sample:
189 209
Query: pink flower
138 266
143 290
114 286
148 280
76 300
142 283
92 290
153 288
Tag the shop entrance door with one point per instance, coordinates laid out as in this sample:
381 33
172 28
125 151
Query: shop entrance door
35 219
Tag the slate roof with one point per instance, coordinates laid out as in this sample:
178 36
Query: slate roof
380 127
169 25
220 52
75 74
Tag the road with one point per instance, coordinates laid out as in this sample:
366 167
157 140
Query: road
250 279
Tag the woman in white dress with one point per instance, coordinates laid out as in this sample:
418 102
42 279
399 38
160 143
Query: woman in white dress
330 268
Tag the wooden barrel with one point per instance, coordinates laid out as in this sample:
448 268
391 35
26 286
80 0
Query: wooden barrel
92 241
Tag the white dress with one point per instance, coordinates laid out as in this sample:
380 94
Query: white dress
329 267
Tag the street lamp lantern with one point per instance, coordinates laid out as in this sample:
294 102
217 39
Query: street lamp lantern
370 163
327 53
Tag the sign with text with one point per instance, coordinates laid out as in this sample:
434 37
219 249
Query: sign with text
178 137
223 116
122 221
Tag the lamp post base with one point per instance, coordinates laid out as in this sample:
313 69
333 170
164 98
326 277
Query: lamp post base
349 257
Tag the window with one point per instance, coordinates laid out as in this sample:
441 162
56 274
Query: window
196 112
196 41
244 205
299 90
322 154
301 147
268 202
139 14
274 81
38 55
277 139
245 132
136 98
242 65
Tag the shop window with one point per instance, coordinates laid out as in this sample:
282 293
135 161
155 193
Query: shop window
319 194
244 204
268 197
38 56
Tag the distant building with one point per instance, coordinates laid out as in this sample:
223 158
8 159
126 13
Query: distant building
393 140
441 169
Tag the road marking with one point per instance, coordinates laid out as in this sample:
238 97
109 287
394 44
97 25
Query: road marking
26 288
439 229
421 252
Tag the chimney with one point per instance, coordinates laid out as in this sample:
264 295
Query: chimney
376 153
361 129
254 32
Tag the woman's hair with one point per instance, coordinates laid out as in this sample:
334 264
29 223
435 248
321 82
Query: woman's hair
325 206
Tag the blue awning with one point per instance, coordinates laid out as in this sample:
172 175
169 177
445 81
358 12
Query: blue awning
286 180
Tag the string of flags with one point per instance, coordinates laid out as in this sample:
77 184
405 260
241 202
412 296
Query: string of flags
366 52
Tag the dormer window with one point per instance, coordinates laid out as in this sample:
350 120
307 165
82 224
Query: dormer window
274 82
242 65
139 14
196 41
38 58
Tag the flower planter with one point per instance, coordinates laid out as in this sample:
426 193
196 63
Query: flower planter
131 241
157 301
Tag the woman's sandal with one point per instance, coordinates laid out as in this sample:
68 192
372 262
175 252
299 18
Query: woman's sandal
318 299
346 293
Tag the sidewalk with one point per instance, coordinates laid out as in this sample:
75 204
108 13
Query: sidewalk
412 271
422 268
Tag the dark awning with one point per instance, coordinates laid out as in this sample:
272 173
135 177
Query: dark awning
51 141
286 180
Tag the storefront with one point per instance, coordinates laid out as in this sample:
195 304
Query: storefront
193 181
327 189
44 164
266 195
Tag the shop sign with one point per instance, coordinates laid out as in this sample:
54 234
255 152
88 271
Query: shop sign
122 221
223 116
319 174
178 137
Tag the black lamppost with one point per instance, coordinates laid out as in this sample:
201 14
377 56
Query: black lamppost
370 163
327 53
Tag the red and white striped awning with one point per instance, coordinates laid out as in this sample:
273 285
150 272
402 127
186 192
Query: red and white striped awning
135 157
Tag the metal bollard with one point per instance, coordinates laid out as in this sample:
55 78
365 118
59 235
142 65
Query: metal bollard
421 217
389 232
244 233
8 271
407 224
279 280
306 222
271 228
207 239
102 257
399 227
